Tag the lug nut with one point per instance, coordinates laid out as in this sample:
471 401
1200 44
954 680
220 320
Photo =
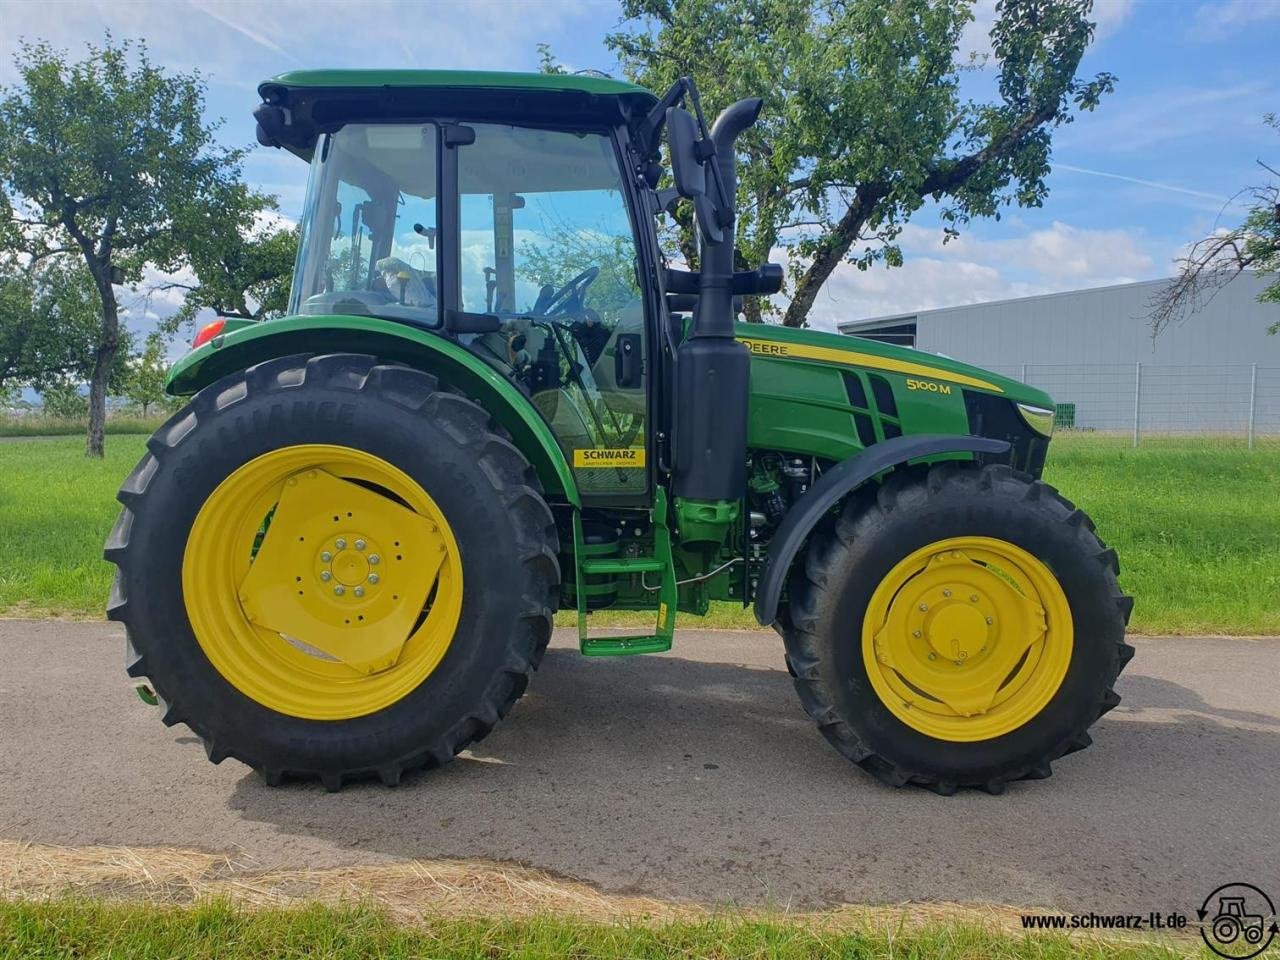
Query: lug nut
373 578
973 598
946 593
916 634
339 590
359 591
374 558
933 656
326 556
359 544
924 606
325 575
340 544
990 621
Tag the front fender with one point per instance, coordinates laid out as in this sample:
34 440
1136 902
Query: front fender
390 341
835 484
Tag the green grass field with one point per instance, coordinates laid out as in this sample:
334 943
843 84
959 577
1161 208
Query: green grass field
39 425
90 930
1197 527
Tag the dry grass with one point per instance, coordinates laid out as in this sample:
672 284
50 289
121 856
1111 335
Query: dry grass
409 891
119 902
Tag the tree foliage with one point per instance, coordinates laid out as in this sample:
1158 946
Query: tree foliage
239 264
865 119
144 382
108 158
1218 259
48 322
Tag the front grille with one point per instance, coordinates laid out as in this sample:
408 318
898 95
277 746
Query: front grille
998 418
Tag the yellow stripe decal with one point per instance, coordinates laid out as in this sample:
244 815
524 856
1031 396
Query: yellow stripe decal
850 358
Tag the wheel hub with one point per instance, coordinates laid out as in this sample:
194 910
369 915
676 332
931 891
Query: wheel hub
956 633
956 630
319 573
349 566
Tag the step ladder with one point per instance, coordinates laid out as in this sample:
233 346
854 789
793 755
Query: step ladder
661 563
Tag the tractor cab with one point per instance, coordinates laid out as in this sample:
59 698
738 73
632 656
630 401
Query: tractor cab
512 234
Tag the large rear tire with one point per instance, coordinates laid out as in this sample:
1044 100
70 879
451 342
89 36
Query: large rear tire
333 568
957 627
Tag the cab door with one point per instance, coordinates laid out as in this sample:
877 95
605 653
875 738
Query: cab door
545 242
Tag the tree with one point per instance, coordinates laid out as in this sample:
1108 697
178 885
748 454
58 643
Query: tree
105 158
1216 260
144 383
242 263
864 120
62 399
48 321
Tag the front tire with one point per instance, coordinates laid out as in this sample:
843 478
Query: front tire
407 581
960 626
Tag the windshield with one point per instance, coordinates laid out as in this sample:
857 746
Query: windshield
369 229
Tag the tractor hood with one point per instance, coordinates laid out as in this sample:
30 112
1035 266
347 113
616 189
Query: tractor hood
785 343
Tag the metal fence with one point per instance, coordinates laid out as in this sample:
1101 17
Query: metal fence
1236 402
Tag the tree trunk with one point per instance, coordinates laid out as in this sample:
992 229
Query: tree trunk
842 237
103 360
751 311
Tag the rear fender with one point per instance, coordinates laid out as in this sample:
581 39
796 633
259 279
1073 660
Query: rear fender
837 483
391 341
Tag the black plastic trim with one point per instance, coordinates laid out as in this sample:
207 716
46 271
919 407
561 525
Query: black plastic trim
834 484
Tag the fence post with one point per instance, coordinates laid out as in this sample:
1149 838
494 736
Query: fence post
1023 378
1253 399
1137 402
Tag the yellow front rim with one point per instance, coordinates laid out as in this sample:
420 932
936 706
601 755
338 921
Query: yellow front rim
967 639
322 582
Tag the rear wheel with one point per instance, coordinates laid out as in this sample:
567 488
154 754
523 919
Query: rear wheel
307 562
962 627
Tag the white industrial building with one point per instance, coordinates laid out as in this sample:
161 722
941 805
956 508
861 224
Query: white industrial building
1218 371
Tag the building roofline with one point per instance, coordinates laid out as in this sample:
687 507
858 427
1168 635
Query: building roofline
908 315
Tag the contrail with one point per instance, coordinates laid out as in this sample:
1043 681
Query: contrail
258 38
1145 183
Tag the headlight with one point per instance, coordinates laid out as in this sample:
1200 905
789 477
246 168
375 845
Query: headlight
1038 419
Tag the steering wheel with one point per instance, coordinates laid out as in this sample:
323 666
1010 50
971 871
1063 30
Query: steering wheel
575 289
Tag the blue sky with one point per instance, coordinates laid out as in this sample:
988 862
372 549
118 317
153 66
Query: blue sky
1134 182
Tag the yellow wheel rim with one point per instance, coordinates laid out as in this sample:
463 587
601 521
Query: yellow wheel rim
967 639
322 582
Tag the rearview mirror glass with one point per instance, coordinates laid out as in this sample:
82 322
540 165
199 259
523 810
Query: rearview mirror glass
686 169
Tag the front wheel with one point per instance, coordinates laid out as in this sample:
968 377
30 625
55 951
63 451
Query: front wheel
333 568
960 627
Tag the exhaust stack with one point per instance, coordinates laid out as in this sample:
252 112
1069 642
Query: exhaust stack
712 368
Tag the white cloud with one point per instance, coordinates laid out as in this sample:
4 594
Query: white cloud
240 42
973 270
1216 20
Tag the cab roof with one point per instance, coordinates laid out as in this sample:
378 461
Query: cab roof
317 101
457 80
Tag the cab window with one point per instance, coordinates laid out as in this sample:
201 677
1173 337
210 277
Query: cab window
369 232
546 244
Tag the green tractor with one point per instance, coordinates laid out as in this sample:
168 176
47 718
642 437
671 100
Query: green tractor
493 398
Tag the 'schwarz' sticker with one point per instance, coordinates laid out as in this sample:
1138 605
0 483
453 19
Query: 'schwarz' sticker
629 457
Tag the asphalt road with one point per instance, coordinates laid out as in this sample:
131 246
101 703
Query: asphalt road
690 775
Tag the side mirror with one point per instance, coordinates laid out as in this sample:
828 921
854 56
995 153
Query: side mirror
686 164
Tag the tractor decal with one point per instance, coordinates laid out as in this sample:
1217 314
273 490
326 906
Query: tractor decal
627 457
798 351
